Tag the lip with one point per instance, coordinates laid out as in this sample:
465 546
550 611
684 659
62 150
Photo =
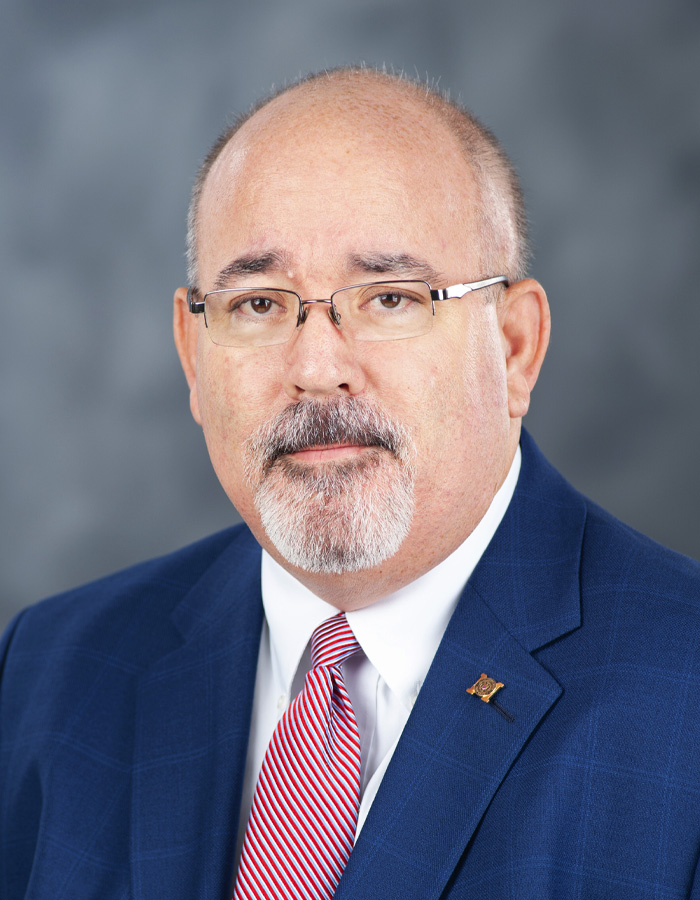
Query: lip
327 452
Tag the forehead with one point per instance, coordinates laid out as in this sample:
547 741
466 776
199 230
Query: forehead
331 173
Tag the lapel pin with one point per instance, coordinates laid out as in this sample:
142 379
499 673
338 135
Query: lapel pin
486 688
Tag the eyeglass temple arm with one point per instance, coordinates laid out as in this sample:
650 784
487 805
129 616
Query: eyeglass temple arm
459 290
195 306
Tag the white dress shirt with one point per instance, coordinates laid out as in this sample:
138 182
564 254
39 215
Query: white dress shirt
398 634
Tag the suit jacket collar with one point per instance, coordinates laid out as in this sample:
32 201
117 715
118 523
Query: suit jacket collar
456 750
529 575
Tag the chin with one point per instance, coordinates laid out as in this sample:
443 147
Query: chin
337 517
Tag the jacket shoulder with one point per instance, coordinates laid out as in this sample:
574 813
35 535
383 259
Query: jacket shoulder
611 552
94 613
617 554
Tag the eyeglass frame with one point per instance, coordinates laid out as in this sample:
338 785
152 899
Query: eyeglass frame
453 292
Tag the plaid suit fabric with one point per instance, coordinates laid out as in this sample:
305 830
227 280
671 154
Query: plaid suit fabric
121 757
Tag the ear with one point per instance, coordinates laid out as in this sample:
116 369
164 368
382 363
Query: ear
185 329
525 324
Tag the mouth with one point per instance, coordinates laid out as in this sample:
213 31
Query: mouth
321 453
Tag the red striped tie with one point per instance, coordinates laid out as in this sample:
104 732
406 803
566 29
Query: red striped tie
302 823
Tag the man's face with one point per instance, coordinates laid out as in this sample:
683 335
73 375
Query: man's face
311 200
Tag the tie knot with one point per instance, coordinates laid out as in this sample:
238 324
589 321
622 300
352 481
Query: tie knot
332 642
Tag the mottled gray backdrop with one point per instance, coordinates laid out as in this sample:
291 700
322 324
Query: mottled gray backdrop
107 109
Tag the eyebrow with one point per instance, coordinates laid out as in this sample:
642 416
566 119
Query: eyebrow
401 264
252 264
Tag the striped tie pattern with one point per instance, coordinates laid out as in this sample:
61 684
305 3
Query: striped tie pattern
304 815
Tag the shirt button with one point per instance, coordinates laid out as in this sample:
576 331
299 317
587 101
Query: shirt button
281 702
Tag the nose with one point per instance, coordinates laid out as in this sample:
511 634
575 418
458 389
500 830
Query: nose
320 359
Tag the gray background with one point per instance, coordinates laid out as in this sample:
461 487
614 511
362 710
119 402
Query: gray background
107 109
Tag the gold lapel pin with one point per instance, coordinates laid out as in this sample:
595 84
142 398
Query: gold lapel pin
486 688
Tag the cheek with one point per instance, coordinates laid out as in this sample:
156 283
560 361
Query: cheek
484 369
470 411
446 390
233 395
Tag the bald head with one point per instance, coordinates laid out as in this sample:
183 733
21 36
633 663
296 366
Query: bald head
354 107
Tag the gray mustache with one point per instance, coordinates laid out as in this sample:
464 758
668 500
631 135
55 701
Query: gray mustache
311 423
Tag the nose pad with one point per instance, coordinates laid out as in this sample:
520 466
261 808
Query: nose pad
333 313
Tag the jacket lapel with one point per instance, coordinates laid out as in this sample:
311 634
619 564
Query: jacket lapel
193 715
456 749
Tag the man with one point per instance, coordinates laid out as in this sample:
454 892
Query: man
446 674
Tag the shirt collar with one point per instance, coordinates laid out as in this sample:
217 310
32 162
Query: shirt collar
400 633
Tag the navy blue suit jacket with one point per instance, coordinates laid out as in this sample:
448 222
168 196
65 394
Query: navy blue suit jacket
125 710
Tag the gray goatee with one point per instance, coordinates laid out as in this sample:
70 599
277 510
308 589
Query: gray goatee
340 516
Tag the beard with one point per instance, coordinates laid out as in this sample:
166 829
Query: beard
333 517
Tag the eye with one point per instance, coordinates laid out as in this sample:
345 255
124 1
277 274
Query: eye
389 301
258 306
392 300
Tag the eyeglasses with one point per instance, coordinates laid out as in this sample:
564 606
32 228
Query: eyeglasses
379 311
